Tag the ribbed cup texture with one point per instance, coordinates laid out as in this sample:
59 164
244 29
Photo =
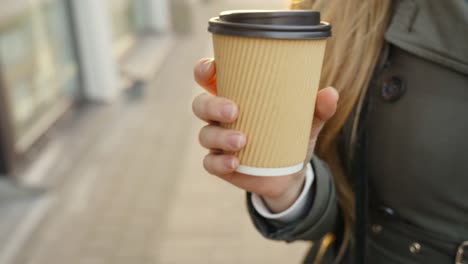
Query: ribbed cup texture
274 82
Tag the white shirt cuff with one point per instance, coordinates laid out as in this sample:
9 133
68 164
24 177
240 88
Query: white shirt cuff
292 213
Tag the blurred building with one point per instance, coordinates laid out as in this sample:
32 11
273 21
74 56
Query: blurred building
55 53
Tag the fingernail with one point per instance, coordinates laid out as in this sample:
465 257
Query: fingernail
237 141
206 66
233 164
229 111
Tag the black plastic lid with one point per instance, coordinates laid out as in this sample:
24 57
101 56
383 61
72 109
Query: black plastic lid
300 24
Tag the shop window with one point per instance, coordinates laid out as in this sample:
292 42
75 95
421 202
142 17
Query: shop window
38 63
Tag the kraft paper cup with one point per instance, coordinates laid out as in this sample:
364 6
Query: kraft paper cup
269 63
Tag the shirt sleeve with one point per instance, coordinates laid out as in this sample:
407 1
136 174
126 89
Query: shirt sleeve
320 216
295 211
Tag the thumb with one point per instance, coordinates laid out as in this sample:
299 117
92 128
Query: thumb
205 75
325 108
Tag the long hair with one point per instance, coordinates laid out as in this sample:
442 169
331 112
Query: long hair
351 56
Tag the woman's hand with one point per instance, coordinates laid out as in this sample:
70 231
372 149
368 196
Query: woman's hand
278 192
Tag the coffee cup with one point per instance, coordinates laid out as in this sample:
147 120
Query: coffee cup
269 63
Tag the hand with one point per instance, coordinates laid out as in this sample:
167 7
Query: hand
278 192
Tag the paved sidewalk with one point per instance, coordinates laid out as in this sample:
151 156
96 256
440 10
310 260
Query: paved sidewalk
134 190
208 223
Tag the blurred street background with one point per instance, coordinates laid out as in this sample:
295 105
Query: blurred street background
99 156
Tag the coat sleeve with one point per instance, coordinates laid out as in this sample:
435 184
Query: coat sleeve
320 218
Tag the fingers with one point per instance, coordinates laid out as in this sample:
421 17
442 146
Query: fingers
325 108
212 108
205 75
220 164
215 137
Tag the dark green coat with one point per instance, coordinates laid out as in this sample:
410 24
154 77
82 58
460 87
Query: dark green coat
416 129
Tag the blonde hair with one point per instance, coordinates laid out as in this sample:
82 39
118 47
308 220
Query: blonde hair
351 56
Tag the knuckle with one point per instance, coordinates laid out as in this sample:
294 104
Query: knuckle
218 139
197 104
221 137
204 135
207 163
194 107
201 137
212 106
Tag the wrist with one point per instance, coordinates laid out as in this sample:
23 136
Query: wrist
286 199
